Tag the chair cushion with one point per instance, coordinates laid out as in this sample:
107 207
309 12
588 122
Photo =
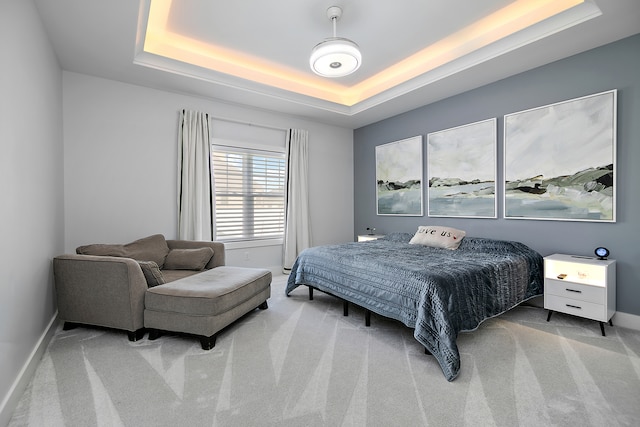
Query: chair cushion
188 259
171 275
152 248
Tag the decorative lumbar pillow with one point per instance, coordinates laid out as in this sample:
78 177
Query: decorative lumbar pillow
152 273
438 237
188 259
152 248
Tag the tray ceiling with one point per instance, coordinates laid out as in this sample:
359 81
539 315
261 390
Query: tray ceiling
256 53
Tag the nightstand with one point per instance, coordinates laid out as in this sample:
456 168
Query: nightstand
367 237
581 286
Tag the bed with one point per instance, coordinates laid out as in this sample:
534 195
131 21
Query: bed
436 291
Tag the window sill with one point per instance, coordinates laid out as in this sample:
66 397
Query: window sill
253 243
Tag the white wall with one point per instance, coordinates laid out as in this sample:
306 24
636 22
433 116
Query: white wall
32 194
120 165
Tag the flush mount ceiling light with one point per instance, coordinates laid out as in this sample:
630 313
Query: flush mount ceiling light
335 56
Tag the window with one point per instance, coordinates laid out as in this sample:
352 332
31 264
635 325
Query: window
249 193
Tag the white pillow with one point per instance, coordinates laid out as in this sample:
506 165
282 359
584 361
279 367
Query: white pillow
438 237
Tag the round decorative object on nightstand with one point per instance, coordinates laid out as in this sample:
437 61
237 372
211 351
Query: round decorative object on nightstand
602 252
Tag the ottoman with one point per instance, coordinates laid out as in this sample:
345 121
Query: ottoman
205 303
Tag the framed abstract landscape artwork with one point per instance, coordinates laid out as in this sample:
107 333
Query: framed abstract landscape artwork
462 168
559 160
399 177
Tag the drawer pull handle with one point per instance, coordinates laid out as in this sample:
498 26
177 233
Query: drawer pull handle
573 290
573 306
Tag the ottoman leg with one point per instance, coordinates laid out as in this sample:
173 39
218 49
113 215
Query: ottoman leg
154 334
208 343
263 306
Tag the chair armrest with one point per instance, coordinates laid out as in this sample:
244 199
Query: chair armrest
218 258
100 290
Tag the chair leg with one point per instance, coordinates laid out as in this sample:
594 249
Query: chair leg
135 335
69 325
263 306
367 317
310 293
208 343
345 307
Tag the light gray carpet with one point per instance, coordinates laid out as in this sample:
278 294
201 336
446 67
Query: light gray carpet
301 363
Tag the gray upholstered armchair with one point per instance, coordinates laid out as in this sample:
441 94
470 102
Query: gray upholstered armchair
104 285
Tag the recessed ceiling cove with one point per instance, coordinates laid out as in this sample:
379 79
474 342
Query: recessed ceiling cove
229 44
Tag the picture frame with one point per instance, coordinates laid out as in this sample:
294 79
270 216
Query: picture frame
559 160
399 176
462 171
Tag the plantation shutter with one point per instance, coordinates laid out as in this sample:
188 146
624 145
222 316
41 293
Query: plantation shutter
249 193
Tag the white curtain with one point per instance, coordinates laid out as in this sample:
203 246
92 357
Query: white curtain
195 180
297 233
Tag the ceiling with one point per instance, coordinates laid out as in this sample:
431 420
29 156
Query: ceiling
256 53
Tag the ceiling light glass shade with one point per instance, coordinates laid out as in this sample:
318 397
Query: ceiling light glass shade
335 57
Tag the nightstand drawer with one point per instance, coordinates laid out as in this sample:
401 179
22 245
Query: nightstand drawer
575 307
576 291
368 237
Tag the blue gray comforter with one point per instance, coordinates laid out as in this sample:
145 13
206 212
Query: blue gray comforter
438 292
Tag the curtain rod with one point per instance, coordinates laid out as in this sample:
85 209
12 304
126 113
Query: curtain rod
246 123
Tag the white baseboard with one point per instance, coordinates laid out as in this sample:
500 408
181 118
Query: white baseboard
626 320
276 270
18 387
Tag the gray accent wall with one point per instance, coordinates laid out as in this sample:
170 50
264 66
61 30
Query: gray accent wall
614 66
